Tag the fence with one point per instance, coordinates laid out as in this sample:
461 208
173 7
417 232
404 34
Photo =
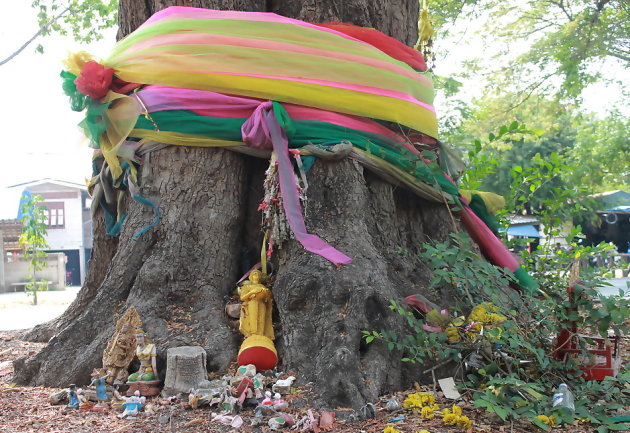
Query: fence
17 271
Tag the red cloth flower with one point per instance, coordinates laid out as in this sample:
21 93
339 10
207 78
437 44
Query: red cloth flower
263 205
95 80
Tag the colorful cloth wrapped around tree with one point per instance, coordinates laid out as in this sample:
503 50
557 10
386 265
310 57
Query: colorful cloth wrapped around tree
257 82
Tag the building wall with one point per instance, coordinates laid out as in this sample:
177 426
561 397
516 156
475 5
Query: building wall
17 271
70 237
76 234
2 259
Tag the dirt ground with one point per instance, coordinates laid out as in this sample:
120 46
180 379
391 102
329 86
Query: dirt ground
27 409
18 312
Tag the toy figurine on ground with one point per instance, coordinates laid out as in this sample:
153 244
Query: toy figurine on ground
267 401
146 379
72 397
132 406
84 404
255 323
101 390
117 399
278 403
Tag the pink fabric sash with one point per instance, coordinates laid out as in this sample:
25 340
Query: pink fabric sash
263 130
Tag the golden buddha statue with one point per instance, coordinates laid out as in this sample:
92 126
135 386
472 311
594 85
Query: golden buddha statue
256 324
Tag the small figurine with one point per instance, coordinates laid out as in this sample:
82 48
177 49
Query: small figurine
146 354
267 401
84 404
72 397
132 406
146 379
193 398
117 399
101 390
283 386
278 403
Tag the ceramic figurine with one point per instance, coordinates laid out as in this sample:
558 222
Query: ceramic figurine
146 354
83 401
255 323
146 379
132 406
117 399
267 401
278 403
101 390
72 397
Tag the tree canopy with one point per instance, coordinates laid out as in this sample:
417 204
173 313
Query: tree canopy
554 47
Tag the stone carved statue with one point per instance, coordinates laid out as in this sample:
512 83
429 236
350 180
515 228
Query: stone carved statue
121 348
256 324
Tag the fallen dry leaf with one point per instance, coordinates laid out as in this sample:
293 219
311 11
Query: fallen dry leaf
194 422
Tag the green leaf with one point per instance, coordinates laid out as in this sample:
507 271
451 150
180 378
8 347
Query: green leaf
617 316
482 403
535 394
503 414
603 326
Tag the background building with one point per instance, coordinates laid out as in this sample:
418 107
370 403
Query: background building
69 222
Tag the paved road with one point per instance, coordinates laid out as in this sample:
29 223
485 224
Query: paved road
17 311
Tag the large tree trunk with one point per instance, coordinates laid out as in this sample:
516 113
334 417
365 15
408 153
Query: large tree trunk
179 274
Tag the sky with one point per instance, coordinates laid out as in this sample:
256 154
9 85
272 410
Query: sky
40 138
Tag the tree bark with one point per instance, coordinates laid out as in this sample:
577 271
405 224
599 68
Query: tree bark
179 274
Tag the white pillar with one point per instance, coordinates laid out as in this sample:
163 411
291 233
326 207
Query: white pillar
82 262
2 259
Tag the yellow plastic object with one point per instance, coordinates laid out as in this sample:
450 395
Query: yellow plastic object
258 350
255 323
256 308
